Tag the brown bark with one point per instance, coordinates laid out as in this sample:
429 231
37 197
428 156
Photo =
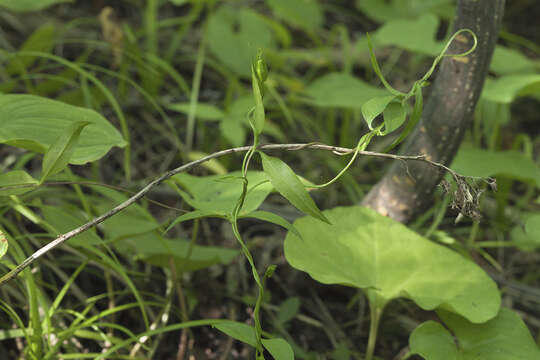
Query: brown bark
447 114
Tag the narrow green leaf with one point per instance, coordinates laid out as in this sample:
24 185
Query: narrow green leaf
57 156
272 218
203 111
256 119
16 182
378 71
3 244
197 214
289 185
374 107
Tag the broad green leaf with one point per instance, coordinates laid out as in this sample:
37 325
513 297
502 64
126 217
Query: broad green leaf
235 34
288 309
239 331
272 218
417 35
13 179
384 11
67 218
305 14
374 107
507 61
219 194
433 342
203 111
366 250
236 115
133 220
59 153
29 5
394 116
527 237
34 123
42 39
157 251
289 185
213 164
3 244
479 162
341 90
232 130
502 338
277 347
506 88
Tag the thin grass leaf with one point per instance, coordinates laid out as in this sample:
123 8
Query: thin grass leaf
378 71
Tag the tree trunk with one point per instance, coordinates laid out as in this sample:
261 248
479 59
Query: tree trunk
447 114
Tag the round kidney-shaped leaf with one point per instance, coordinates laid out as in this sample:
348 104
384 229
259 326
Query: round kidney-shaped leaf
367 250
501 338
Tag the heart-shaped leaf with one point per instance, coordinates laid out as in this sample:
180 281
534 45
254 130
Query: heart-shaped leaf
235 34
374 107
502 338
394 116
367 250
289 185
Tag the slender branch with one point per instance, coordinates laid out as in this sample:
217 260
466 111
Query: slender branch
335 149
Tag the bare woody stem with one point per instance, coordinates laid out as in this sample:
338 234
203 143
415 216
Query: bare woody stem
447 114
338 150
